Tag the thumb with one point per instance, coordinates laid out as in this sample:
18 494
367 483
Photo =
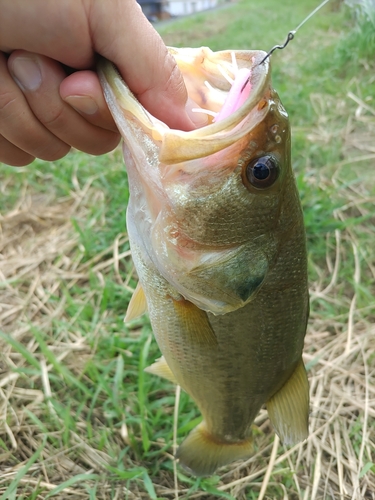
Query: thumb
122 34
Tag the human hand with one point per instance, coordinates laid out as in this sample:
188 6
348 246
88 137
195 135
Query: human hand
45 108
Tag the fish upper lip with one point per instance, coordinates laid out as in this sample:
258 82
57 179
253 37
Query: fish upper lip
178 145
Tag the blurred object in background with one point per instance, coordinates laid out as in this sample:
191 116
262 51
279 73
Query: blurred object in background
364 9
158 10
154 10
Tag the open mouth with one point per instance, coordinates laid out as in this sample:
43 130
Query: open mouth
240 87
227 86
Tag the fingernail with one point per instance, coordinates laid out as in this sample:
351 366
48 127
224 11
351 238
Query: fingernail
26 73
198 118
82 104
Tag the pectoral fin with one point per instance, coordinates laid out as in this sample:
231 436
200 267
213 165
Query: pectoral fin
161 369
288 409
137 305
194 323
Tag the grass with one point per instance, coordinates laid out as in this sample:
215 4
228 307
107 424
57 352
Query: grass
79 419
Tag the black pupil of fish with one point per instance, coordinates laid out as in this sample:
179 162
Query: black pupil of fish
261 171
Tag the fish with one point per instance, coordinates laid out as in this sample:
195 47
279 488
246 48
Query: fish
217 238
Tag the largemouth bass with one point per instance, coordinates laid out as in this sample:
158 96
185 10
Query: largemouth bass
218 242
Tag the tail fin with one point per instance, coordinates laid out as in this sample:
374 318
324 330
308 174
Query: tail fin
201 453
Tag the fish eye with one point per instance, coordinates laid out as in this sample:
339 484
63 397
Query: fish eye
262 172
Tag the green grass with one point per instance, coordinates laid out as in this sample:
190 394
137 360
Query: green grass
82 419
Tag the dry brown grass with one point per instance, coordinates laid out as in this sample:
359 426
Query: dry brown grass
40 256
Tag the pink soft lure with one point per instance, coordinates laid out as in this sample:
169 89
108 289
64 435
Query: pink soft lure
237 95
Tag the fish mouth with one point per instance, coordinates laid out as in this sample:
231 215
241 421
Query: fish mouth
231 86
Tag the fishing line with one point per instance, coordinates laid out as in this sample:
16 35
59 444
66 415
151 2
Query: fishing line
292 33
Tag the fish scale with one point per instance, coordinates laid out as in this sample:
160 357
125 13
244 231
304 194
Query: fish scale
217 237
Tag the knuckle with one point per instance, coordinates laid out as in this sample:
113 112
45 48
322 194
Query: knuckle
8 99
55 119
175 83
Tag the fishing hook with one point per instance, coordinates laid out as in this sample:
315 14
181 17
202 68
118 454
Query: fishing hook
292 33
288 39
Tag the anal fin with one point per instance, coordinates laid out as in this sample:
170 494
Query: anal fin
161 369
201 453
137 305
288 409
